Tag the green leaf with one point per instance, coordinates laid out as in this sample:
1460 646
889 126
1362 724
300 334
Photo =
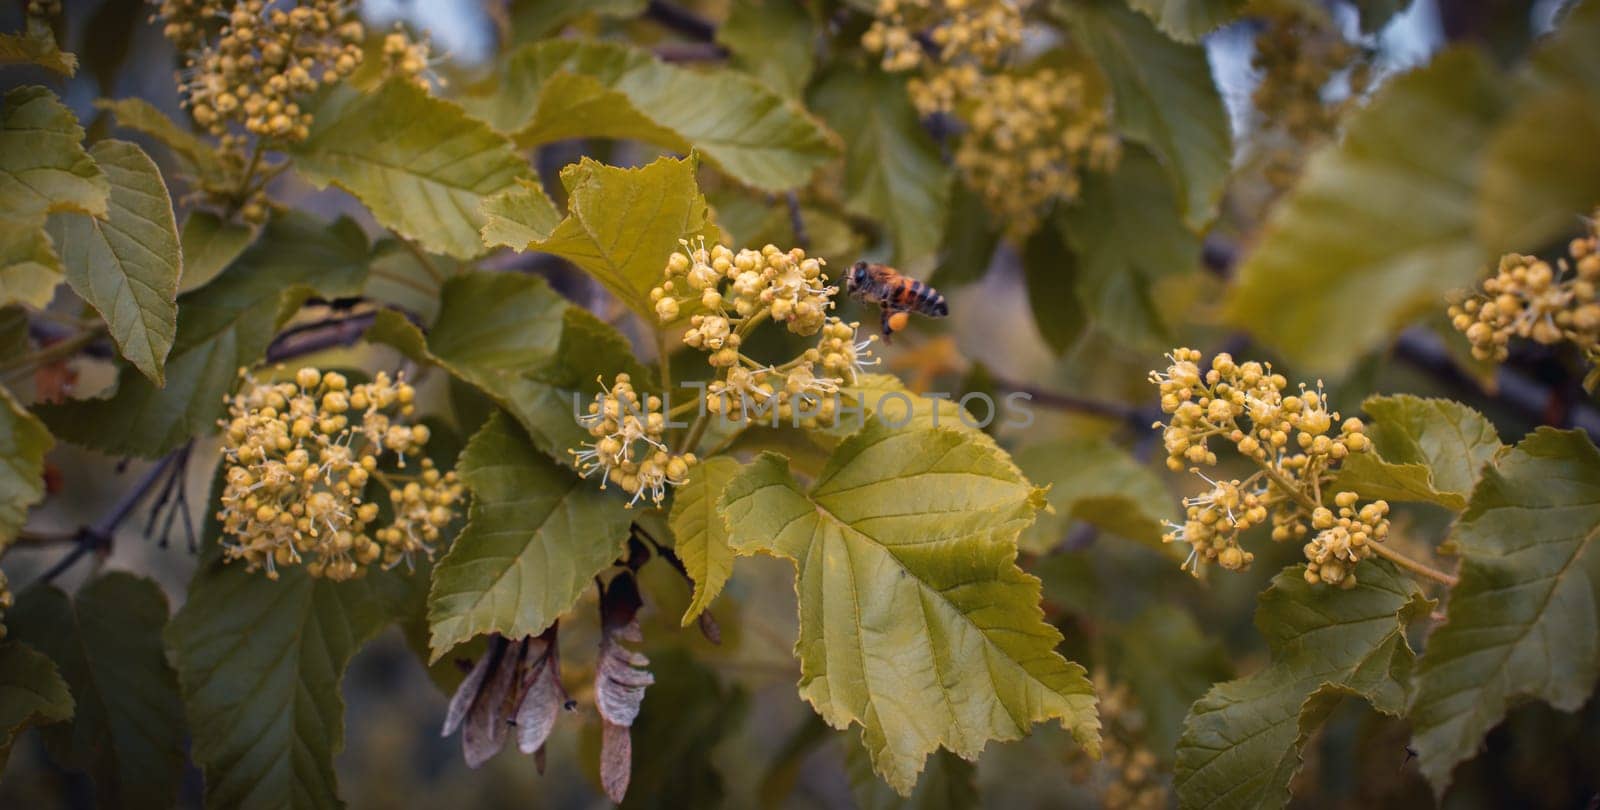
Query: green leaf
535 539
915 621
1128 233
194 152
700 535
1189 20
892 170
1169 662
260 663
519 216
210 244
567 88
31 693
1381 225
773 40
1430 450
43 167
535 19
1164 98
1541 171
226 325
970 240
1052 274
421 164
127 264
1522 622
1093 480
23 443
37 46
623 224
30 270
127 731
1241 743
951 783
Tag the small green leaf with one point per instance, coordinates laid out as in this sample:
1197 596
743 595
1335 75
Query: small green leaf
535 539
23 443
700 534
1164 97
31 693
773 40
892 169
43 167
1189 20
225 325
568 88
1241 743
1093 480
1430 450
1522 621
127 265
127 731
197 156
1381 225
260 663
1128 233
37 46
421 164
950 783
1053 277
519 216
623 224
209 244
915 621
30 270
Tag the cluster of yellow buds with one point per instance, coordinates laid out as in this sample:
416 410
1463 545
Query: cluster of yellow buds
736 291
1527 298
299 457
1344 539
185 23
1294 440
266 56
1128 776
628 449
1028 140
408 58
1298 57
913 33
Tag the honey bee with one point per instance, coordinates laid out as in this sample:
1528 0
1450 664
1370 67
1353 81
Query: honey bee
898 295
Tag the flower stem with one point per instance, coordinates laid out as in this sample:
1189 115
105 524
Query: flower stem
696 430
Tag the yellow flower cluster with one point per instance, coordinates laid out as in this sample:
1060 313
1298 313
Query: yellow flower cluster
1298 57
1028 141
266 56
299 457
628 449
736 292
1527 298
1294 440
1127 777
1344 539
408 58
914 33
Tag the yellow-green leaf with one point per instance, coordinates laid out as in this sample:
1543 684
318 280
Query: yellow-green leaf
519 216
773 40
37 45
699 533
1381 225
567 88
127 265
1431 450
1097 482
535 539
209 244
127 731
1164 98
915 621
623 224
1522 623
23 443
892 170
194 152
421 164
1241 743
31 693
43 166
30 270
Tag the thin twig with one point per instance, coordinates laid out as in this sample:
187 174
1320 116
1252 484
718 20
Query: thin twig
97 537
1132 416
679 19
797 223
325 334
